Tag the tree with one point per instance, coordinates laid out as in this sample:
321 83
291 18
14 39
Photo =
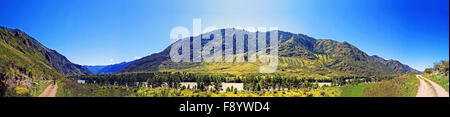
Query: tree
429 70
228 89
258 87
183 87
217 84
442 67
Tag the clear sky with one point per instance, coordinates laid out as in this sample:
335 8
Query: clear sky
99 32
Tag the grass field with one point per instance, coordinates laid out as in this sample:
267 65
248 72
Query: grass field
410 86
355 90
402 86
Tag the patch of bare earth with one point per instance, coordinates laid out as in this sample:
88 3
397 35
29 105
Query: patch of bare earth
50 91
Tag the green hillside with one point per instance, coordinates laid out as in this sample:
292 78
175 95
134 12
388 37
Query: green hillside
300 55
25 64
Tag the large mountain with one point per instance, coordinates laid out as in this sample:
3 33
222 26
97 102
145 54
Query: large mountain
107 69
15 42
299 55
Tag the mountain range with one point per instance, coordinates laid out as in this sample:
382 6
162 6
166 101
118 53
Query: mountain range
107 69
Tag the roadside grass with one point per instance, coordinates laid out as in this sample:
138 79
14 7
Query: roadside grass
410 86
401 86
439 79
70 88
355 90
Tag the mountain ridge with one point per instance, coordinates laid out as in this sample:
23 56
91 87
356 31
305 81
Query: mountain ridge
316 56
59 62
394 62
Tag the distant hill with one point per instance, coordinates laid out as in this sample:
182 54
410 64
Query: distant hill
95 68
107 69
300 55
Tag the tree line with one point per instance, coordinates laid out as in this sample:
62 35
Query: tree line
214 82
154 79
277 82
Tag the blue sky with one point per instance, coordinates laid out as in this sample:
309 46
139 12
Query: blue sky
99 32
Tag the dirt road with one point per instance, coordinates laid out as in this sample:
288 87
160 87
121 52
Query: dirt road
427 90
50 91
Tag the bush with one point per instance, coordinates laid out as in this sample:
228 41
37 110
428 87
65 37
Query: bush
21 91
429 70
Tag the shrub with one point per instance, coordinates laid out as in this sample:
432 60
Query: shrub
21 91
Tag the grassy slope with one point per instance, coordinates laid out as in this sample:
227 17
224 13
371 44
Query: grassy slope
16 54
402 86
37 69
288 66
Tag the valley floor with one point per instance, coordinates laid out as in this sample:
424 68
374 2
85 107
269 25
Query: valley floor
412 85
